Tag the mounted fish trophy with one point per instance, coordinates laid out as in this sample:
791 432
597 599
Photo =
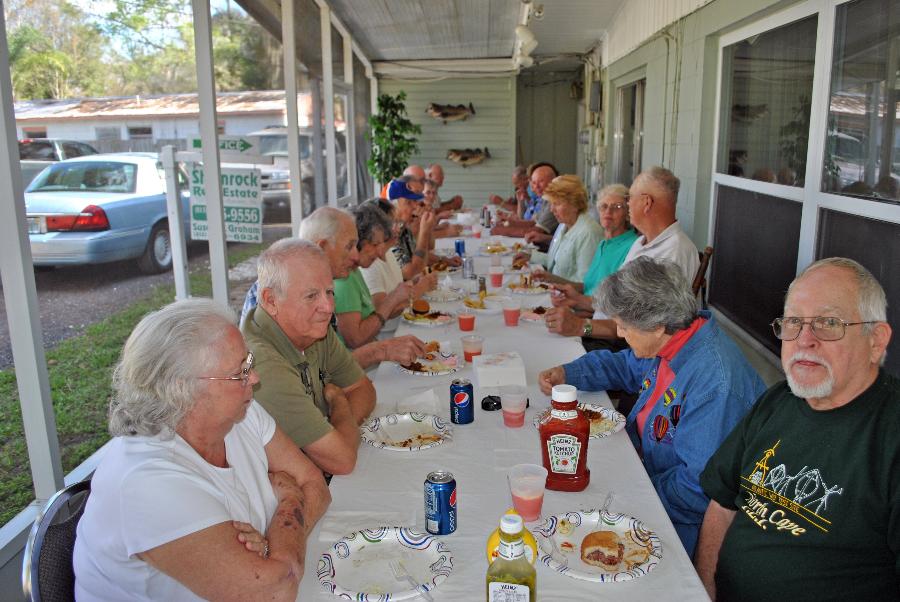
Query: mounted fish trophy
447 113
468 156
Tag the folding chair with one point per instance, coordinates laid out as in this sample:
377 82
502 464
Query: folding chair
699 283
47 573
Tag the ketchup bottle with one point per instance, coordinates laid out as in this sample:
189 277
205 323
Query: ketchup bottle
564 442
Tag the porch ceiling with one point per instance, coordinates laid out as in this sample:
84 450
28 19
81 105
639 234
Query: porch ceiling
405 30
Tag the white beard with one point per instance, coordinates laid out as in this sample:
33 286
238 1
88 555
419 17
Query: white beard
816 391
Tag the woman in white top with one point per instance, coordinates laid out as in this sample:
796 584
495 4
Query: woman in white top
577 236
200 495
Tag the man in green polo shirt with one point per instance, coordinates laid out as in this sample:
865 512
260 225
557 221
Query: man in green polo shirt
309 381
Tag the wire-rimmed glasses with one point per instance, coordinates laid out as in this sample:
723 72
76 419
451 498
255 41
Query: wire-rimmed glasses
824 328
244 375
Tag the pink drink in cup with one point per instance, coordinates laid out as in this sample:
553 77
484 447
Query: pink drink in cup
526 485
496 273
512 309
472 346
466 321
513 400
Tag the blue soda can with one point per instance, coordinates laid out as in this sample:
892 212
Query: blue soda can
460 246
440 503
462 404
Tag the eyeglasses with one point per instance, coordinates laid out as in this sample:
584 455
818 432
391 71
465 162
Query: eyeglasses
824 328
611 207
244 376
634 195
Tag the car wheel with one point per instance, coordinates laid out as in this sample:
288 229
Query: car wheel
157 256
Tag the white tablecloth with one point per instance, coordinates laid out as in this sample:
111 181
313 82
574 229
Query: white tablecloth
386 488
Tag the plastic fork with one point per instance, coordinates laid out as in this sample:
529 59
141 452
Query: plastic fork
401 574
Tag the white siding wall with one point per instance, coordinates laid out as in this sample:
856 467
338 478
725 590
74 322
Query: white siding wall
637 20
493 125
166 128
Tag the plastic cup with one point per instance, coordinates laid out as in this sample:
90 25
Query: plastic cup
496 260
512 309
496 273
466 320
526 484
476 230
513 400
472 346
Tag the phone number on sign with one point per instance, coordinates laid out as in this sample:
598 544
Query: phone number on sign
242 215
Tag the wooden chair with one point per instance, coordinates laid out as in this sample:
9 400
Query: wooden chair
47 573
699 283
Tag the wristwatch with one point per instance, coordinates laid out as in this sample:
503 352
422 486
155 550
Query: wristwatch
588 328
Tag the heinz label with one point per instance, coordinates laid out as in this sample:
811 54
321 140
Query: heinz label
563 451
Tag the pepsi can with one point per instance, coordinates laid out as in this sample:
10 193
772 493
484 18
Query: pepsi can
462 404
440 503
460 246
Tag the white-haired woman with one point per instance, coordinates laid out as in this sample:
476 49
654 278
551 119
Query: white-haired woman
694 383
200 494
577 235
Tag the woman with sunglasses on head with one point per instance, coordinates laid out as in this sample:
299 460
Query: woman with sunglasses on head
199 495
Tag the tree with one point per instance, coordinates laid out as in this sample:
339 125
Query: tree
393 138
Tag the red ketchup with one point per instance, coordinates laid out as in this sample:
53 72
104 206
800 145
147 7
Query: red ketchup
564 442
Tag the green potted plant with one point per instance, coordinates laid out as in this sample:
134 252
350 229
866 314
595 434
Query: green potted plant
393 138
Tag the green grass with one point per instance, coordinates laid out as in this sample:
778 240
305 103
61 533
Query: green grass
80 369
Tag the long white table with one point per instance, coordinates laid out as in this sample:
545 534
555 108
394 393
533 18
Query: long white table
386 488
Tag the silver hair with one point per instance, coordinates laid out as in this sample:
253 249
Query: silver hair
872 299
370 219
664 179
154 382
271 267
619 190
647 293
323 224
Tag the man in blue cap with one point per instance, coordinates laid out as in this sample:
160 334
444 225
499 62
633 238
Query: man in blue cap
412 250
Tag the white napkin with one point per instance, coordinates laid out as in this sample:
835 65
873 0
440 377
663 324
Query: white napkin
338 524
426 402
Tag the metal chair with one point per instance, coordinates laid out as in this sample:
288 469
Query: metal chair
47 573
699 284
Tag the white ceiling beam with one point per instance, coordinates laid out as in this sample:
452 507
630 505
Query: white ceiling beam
450 68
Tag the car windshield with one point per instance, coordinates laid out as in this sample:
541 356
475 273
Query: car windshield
97 176
277 146
36 150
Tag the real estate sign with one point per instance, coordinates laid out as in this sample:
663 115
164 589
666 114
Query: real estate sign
242 200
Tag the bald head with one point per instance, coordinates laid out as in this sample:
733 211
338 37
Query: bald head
540 177
415 178
436 174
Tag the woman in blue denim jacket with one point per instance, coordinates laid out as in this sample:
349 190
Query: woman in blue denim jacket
694 383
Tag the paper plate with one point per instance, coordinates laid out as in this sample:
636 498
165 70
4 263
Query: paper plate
490 250
358 566
442 364
642 548
442 295
529 316
604 421
443 320
406 432
533 290
493 304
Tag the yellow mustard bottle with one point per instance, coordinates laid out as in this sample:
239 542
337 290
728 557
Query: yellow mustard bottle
511 578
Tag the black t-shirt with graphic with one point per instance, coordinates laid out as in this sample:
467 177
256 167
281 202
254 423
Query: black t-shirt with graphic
817 499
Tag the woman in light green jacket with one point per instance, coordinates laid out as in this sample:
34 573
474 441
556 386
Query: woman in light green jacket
577 236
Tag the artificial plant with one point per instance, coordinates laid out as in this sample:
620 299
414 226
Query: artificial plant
393 138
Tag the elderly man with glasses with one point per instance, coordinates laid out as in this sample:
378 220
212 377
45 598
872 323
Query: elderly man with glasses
805 492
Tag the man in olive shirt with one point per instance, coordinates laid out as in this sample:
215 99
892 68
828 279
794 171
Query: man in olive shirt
805 491
309 381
